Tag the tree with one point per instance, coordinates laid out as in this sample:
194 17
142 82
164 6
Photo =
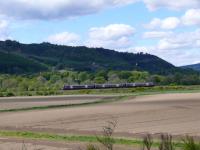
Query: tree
82 76
99 80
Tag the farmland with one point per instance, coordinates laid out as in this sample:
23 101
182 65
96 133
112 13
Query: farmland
135 115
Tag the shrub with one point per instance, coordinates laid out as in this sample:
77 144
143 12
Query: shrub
9 94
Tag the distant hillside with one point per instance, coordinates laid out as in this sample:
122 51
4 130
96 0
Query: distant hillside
28 58
12 63
194 67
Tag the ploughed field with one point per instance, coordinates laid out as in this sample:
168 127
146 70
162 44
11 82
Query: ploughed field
172 113
30 102
177 114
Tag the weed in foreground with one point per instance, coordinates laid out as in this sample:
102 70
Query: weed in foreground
166 142
92 147
190 144
147 142
107 140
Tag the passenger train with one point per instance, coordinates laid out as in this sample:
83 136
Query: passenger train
107 86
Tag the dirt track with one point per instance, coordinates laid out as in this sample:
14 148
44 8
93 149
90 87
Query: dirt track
177 114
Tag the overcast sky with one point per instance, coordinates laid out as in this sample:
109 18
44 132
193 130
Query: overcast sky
169 29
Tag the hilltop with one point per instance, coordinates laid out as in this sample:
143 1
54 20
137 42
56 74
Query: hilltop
194 67
19 58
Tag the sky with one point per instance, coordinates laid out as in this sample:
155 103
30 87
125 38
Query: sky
169 29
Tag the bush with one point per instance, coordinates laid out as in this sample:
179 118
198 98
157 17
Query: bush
9 94
1 95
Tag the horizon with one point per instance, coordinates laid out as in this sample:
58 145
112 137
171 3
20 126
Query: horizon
163 28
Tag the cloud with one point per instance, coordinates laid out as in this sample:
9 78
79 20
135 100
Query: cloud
55 9
3 29
64 38
186 40
191 17
156 34
167 23
114 36
172 4
177 48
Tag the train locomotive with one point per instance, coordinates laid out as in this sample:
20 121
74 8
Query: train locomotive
107 86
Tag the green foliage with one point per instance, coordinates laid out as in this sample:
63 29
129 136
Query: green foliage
189 144
51 83
13 63
99 80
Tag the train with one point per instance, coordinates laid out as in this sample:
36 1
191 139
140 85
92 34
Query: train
107 86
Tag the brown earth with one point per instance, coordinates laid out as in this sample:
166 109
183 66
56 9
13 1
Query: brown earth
177 114
38 101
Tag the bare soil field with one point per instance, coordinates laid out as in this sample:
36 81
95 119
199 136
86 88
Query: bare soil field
177 114
29 102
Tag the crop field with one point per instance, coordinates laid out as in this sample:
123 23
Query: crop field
177 114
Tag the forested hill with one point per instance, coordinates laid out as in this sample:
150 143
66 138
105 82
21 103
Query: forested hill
194 67
18 58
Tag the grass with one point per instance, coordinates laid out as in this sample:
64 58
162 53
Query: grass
107 100
65 138
156 89
75 138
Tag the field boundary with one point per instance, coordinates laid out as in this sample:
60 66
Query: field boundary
75 138
101 101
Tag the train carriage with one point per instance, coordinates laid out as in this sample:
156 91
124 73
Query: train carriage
105 86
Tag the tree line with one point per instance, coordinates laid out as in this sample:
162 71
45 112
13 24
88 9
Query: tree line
53 82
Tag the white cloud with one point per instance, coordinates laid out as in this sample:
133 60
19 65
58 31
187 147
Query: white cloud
170 23
178 57
186 40
3 29
155 23
55 9
191 17
114 36
64 38
177 48
167 23
156 34
172 4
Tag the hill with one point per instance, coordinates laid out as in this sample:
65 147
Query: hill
30 58
194 67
